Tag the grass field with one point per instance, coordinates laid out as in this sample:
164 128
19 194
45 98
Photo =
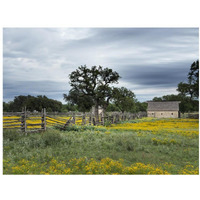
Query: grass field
142 146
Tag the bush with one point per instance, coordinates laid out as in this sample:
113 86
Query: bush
126 142
76 128
35 141
51 138
107 123
11 135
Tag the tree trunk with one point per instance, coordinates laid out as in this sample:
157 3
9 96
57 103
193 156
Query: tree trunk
103 116
96 112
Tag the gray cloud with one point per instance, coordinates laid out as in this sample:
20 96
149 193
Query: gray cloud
50 88
158 75
38 60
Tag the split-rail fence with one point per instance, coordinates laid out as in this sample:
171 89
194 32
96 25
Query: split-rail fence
28 122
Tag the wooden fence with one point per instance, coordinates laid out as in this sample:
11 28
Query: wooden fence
194 115
89 118
28 122
23 121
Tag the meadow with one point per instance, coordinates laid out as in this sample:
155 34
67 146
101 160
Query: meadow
140 146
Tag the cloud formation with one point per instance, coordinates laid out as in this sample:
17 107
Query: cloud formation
151 61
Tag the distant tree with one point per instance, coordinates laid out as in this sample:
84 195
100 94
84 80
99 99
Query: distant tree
5 107
157 99
112 108
193 79
33 103
124 99
19 103
94 83
170 97
141 106
191 88
69 107
184 89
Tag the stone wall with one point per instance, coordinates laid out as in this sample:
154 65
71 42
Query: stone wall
163 114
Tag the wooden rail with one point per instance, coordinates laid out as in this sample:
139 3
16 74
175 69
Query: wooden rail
10 123
74 118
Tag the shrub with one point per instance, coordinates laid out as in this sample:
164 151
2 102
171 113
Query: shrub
107 123
35 141
51 138
11 135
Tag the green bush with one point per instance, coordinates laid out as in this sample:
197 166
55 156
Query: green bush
76 128
107 123
11 135
51 138
35 141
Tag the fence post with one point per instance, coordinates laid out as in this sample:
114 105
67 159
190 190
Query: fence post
43 118
93 120
83 119
112 119
74 119
116 118
23 120
103 118
90 119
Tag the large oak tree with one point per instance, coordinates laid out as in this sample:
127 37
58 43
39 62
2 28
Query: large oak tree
94 83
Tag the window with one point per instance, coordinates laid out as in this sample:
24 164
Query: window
161 113
172 113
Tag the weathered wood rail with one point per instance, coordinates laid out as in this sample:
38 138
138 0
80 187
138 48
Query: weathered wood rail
13 123
25 120
190 115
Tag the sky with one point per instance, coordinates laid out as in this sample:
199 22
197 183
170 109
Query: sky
150 61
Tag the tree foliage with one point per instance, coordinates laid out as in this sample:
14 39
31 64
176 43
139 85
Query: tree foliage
141 106
124 99
32 103
75 98
191 88
92 84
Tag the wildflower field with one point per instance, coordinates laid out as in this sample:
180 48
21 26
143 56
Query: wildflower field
141 146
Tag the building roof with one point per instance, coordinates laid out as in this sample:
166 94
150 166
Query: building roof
163 106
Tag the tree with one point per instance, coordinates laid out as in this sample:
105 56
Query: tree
94 83
193 79
112 108
124 99
141 106
69 107
83 102
184 89
5 107
157 99
33 103
191 88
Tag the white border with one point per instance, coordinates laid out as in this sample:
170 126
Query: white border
91 13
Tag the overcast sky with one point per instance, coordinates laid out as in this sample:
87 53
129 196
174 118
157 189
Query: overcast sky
151 61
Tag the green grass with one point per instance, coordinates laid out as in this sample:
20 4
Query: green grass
99 143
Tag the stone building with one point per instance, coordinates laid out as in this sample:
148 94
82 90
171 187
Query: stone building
100 110
164 109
